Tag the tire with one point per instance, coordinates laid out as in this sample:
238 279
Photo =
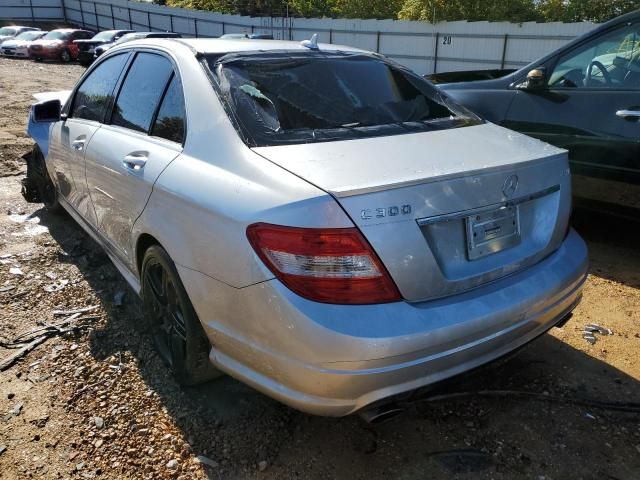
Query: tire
172 320
65 56
38 176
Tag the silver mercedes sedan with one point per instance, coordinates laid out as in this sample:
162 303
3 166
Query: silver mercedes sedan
314 220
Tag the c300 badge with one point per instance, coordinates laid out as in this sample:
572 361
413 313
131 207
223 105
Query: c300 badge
393 211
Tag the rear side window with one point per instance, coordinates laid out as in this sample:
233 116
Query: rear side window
96 91
141 92
170 122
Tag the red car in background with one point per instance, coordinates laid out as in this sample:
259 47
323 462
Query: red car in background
58 45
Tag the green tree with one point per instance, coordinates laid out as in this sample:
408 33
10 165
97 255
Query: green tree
584 10
472 10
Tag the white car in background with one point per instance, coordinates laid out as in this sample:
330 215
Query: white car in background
12 31
19 46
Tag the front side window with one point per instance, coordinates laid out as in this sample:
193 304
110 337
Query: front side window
292 97
170 122
611 61
141 92
96 92
7 31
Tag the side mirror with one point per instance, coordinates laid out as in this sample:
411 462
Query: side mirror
536 79
49 111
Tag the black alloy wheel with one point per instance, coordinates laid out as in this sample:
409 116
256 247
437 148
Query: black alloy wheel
172 321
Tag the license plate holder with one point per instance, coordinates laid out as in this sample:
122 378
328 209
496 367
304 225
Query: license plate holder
492 231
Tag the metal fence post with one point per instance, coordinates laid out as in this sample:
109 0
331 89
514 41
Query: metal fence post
149 21
33 17
195 26
435 53
64 11
504 50
331 35
171 20
129 15
82 14
222 28
113 20
378 41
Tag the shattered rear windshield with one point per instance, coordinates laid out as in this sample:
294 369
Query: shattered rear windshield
278 98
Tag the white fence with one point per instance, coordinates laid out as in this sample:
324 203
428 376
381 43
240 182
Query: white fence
424 47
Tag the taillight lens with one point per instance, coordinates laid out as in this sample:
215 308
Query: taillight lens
329 265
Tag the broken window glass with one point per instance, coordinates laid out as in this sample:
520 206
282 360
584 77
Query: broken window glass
292 97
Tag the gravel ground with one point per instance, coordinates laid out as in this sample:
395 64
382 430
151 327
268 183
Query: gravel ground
95 401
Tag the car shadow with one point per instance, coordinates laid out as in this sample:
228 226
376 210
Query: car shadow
499 435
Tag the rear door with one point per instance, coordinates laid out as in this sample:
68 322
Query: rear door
70 138
126 156
591 106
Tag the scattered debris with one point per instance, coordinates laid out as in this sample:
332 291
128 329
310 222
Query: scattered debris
2 449
172 464
11 359
262 466
15 271
56 287
38 336
17 408
592 327
589 331
58 313
207 461
588 415
99 422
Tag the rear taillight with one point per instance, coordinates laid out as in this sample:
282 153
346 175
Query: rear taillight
330 265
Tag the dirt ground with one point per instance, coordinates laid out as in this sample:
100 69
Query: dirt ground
96 401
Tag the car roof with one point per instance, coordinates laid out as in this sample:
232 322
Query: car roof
218 46
69 30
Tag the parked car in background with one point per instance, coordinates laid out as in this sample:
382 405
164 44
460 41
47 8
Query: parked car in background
12 31
86 48
99 50
332 242
251 36
19 46
583 97
58 45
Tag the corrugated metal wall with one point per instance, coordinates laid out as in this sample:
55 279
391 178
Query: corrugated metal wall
426 48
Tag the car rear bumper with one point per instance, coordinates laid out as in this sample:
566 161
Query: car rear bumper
335 359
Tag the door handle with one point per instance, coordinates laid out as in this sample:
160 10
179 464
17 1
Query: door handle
626 114
135 161
78 145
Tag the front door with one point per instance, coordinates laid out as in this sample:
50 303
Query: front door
130 151
71 137
591 106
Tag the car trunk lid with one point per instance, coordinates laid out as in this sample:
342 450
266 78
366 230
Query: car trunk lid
446 210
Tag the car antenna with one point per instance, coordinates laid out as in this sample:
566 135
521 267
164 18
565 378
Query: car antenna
312 43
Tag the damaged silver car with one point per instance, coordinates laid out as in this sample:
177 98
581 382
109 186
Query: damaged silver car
314 220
